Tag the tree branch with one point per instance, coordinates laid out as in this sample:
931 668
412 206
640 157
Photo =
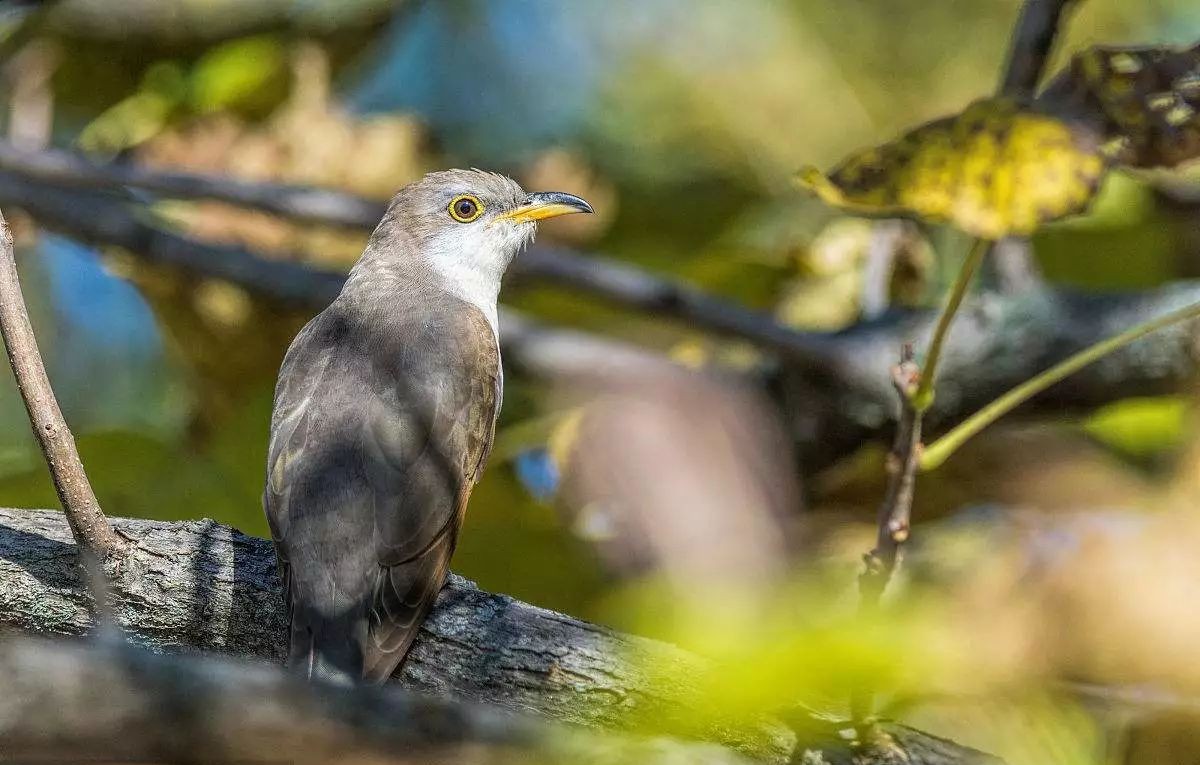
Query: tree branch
607 279
1032 43
197 585
302 203
88 524
126 704
832 408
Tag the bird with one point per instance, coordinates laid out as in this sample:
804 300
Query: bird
384 413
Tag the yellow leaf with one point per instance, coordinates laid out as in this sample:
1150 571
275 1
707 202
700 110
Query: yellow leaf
994 170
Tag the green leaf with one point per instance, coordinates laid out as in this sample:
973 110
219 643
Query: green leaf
239 74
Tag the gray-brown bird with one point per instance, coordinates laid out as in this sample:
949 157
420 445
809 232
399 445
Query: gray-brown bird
384 414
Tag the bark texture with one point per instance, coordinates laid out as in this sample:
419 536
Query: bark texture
198 586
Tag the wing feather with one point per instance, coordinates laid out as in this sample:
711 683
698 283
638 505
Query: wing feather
374 452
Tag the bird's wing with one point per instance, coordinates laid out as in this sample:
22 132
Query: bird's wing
374 452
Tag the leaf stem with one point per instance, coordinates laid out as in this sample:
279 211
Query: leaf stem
922 398
937 453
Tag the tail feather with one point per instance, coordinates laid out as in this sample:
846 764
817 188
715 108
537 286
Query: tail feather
324 649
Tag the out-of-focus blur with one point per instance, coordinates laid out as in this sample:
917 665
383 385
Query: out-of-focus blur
1058 570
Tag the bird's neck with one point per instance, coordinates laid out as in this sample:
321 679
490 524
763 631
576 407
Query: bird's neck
382 281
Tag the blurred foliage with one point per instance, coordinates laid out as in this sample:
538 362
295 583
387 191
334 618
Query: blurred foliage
683 123
1142 100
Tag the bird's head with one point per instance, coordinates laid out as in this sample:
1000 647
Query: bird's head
466 226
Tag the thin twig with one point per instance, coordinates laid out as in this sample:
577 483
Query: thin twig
940 450
1032 44
914 388
895 512
922 397
88 524
1033 40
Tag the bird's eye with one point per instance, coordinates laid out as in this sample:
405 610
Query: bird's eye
466 208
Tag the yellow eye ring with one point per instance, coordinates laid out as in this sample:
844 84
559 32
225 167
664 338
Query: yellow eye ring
465 208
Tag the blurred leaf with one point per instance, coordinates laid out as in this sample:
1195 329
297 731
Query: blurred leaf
248 73
1032 729
994 170
1141 427
1141 101
142 115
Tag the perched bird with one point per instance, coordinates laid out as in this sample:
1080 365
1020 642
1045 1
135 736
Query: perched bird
384 414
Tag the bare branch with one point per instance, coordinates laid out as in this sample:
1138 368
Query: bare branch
87 520
895 512
198 585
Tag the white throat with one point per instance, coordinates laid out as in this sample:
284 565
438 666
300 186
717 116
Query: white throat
470 263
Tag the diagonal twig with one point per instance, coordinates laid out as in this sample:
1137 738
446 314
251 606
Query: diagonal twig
88 524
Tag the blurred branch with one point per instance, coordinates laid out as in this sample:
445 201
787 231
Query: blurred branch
200 585
124 703
601 277
1011 267
633 288
104 220
88 524
887 238
302 203
939 451
1031 46
831 407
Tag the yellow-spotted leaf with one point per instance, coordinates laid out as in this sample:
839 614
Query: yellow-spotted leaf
1143 102
994 170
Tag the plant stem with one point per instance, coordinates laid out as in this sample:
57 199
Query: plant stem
937 453
922 398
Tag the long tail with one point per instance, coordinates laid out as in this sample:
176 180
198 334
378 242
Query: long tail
325 649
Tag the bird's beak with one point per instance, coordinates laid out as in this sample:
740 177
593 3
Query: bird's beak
546 204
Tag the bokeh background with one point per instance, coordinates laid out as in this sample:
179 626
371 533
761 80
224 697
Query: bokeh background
683 122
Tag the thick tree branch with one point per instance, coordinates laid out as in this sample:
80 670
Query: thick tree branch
198 585
998 342
123 703
632 288
87 520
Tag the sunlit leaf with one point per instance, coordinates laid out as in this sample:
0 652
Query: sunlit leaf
1142 102
994 170
247 73
142 115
